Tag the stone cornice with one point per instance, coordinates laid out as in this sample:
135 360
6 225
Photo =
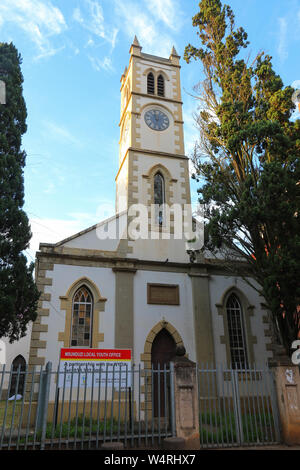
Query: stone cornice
149 152
157 60
117 263
156 97
162 154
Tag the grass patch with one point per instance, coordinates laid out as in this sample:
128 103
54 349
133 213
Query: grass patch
217 428
77 429
9 413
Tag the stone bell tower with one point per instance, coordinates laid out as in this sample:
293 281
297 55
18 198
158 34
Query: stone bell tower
151 134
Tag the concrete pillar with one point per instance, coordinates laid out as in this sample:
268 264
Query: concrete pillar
202 317
288 397
124 324
186 400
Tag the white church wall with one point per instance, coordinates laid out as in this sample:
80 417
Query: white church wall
63 277
122 188
146 162
92 241
146 316
12 350
219 285
173 249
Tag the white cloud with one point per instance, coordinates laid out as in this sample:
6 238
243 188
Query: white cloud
104 64
93 21
282 46
166 11
49 188
296 84
77 16
60 133
97 19
40 20
47 230
48 52
135 21
191 133
296 114
90 43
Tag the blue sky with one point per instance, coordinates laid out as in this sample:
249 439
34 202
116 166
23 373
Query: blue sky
74 52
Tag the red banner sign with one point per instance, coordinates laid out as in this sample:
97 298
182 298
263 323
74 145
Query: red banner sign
84 354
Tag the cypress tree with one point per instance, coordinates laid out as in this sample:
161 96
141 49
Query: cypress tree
18 292
248 161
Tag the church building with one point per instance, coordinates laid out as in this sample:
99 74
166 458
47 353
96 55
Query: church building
109 289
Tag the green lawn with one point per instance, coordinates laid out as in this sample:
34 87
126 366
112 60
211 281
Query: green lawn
9 413
216 428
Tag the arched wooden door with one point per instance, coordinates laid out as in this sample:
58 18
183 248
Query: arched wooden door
17 380
163 350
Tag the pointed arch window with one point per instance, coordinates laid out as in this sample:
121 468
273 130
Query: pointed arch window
236 332
159 196
82 317
160 85
18 376
150 83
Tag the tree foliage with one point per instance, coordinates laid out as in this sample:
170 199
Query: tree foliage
247 159
18 293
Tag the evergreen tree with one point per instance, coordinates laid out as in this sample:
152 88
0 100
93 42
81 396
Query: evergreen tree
247 160
18 292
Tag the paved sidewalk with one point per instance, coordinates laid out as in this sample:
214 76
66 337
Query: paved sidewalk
274 447
267 447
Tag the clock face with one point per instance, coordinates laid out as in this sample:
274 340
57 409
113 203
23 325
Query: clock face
156 120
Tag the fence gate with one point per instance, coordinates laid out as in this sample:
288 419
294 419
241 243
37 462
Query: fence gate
237 407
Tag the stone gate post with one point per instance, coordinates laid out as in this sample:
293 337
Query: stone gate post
288 396
186 404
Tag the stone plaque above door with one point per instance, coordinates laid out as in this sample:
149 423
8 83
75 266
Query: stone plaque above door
163 294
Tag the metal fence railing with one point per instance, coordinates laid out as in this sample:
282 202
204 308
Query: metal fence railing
45 409
82 409
237 407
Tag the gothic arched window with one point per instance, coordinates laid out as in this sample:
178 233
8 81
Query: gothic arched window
150 83
159 196
236 332
82 316
17 376
160 86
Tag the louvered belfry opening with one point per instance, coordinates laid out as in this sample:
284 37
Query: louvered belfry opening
150 83
159 196
160 86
